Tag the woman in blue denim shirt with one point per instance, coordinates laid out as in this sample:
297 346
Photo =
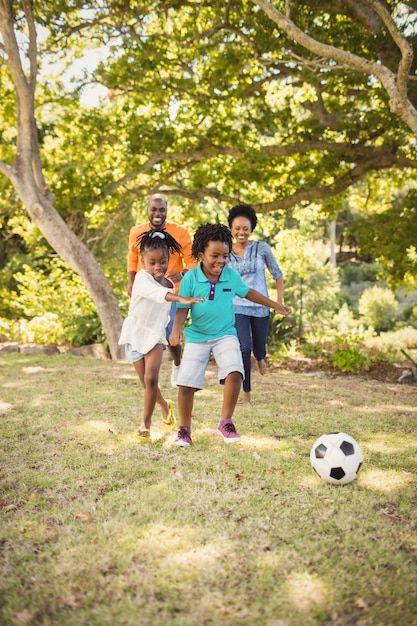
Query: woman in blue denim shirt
250 258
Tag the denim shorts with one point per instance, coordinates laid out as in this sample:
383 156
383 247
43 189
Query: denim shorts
226 352
133 355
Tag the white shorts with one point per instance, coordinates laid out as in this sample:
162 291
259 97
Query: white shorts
226 352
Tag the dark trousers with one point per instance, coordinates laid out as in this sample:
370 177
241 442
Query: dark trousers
252 333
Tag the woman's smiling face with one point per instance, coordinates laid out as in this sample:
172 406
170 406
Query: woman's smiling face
241 229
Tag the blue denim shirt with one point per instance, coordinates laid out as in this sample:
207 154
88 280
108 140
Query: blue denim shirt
251 267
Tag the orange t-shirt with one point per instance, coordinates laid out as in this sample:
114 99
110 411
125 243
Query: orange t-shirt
177 261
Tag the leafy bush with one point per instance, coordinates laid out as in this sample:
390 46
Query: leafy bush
359 272
348 357
310 350
84 329
56 306
45 329
311 287
378 308
392 342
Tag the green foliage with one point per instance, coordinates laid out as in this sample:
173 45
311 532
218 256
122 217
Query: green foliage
57 305
206 102
45 329
391 235
348 356
311 285
378 308
359 272
391 342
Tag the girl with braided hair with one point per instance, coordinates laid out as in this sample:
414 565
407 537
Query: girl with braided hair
143 330
212 328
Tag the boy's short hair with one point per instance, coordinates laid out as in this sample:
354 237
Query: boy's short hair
210 232
243 210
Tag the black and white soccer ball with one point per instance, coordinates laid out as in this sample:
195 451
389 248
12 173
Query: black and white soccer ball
337 458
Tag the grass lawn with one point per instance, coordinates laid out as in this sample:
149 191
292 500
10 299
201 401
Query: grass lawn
98 529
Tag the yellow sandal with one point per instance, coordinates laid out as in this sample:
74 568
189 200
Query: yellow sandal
143 434
170 420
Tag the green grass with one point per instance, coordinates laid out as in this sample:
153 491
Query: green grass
99 529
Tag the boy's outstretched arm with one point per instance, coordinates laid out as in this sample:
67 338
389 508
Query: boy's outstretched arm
255 296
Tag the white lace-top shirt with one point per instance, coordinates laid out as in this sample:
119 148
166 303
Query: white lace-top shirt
148 314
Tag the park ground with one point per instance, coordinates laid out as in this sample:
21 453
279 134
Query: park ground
98 529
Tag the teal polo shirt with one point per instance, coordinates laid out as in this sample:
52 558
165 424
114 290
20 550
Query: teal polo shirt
215 317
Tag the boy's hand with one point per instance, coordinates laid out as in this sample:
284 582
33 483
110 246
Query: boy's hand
176 337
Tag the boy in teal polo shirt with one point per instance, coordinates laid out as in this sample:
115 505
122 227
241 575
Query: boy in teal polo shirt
212 328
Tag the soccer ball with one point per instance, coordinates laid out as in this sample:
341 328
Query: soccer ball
336 457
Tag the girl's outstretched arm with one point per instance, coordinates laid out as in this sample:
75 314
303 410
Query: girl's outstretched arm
173 297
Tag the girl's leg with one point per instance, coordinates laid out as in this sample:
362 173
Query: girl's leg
140 370
242 324
259 327
148 372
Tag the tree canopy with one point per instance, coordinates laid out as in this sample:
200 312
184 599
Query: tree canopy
275 103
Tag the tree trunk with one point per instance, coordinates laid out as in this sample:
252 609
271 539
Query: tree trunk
27 177
75 253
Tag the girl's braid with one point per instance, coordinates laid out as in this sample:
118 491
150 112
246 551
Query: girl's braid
157 239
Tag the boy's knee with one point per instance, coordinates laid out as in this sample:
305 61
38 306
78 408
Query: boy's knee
186 391
234 376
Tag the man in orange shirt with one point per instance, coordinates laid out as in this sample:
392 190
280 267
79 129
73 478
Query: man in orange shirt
177 266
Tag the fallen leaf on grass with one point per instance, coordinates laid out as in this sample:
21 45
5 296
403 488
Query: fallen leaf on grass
70 600
361 604
83 517
9 507
240 477
22 618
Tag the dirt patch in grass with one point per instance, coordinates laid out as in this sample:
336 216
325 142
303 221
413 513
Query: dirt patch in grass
383 371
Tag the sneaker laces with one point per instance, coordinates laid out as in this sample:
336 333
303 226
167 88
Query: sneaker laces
229 427
184 433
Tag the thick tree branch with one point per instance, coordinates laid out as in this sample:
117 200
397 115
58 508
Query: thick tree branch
301 196
386 154
403 45
6 169
394 85
33 50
